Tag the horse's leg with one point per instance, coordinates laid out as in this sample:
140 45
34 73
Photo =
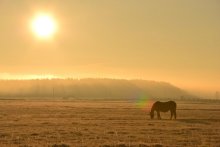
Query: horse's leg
158 115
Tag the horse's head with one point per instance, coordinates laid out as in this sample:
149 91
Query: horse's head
151 115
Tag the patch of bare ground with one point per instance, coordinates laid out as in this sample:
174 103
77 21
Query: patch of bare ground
29 123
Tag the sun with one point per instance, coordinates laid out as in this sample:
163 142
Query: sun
44 26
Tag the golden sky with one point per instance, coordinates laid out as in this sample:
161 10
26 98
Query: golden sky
174 41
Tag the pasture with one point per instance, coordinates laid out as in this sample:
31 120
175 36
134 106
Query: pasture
100 123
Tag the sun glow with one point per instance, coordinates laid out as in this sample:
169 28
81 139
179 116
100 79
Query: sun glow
44 26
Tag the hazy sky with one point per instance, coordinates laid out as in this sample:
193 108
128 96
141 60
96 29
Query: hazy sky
177 41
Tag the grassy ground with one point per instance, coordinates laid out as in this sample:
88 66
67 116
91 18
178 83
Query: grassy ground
90 123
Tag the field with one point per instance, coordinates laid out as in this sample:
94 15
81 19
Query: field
99 123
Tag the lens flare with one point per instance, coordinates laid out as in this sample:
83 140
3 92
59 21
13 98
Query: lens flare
144 102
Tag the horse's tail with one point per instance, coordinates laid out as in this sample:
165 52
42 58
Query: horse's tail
173 104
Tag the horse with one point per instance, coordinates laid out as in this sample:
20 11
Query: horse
163 107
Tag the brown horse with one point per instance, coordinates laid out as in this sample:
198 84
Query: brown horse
163 107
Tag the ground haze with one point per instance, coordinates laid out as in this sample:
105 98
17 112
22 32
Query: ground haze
105 123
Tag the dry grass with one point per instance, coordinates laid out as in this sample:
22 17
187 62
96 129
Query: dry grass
90 123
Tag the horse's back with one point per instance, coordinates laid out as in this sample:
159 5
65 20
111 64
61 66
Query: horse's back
172 103
165 106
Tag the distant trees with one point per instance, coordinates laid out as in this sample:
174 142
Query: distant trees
88 88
